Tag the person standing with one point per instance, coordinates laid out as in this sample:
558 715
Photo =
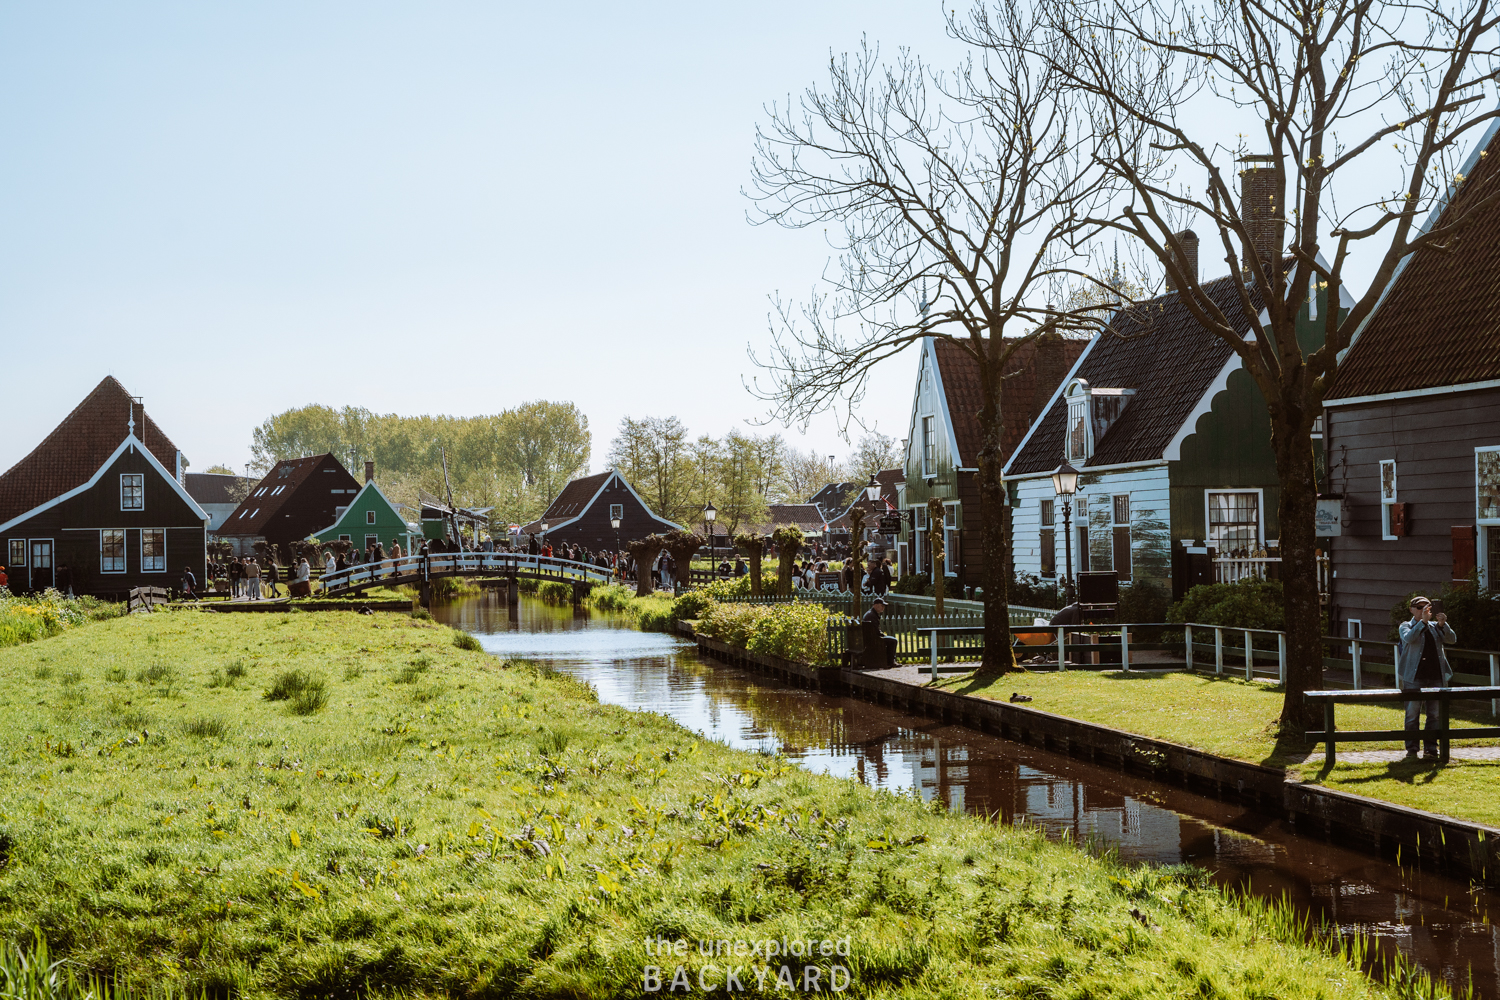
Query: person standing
252 579
273 578
1421 663
236 572
189 582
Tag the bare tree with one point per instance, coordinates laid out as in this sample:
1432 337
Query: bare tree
1370 100
959 201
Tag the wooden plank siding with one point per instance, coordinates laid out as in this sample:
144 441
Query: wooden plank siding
74 526
1150 544
591 527
1432 439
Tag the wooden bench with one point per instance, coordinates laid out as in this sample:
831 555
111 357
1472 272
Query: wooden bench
1331 737
146 597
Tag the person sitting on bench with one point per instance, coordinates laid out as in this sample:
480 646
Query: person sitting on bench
883 653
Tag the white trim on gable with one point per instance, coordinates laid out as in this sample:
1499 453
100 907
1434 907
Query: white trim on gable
613 475
357 494
1435 390
1051 401
128 444
1205 404
942 403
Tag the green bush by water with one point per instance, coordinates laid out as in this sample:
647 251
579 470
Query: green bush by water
555 592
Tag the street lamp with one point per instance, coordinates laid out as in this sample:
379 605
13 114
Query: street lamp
872 490
1065 484
709 513
544 531
614 523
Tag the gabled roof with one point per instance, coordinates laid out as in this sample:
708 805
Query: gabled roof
78 447
831 497
258 510
354 501
1035 370
1438 323
216 487
808 517
1165 355
888 479
579 494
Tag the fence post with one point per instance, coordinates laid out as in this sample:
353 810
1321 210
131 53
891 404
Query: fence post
1249 659
1495 682
933 645
1187 631
1281 658
1062 655
1359 679
1218 650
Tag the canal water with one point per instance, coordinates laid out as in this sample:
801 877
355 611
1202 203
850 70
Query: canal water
1441 923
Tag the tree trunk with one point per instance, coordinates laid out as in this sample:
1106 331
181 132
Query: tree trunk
1299 575
994 536
856 536
939 557
788 544
754 552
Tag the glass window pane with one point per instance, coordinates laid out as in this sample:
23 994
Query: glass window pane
112 550
1122 509
1047 513
1487 474
1388 481
154 550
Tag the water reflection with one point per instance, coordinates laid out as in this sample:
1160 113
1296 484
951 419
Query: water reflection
1442 923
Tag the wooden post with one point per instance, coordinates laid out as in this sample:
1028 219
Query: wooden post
1187 645
1218 650
1125 647
1359 680
933 646
1328 731
1249 659
1062 647
1443 728
1281 658
1495 682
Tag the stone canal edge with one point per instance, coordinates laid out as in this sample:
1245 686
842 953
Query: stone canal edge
1372 826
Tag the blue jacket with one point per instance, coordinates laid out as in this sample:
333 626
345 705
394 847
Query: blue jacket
1409 651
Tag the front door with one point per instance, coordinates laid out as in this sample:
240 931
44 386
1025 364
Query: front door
41 563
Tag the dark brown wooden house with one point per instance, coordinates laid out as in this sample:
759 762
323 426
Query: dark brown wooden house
98 506
582 511
296 498
1412 423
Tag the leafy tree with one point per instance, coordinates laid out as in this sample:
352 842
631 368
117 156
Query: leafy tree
652 454
875 452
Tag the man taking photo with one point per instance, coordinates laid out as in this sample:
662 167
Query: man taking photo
1421 663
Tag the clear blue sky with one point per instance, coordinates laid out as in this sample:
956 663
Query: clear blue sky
438 207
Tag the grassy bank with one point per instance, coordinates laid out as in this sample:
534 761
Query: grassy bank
302 805
1238 719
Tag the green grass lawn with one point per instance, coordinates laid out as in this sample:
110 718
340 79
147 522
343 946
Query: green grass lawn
1235 718
342 805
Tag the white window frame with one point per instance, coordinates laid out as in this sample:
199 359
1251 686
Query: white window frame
1386 502
1260 514
163 556
140 478
371 540
18 544
124 560
951 528
617 511
1076 398
929 444
369 517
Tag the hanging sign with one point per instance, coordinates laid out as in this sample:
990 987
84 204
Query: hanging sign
1328 518
890 524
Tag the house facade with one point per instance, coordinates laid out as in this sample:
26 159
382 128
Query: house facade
582 512
219 495
1413 423
296 498
371 519
1172 441
943 441
98 507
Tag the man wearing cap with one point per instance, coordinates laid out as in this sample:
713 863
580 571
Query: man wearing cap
1421 663
872 617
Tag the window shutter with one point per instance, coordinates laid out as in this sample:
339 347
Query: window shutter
1464 555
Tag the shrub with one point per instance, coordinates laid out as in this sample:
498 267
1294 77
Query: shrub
27 619
692 605
555 592
1473 612
614 597
654 614
1143 601
1031 591
794 631
916 584
464 640
1247 604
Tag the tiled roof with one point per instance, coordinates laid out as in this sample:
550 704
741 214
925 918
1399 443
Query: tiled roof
1440 321
888 480
575 497
799 515
215 487
832 495
78 446
258 510
1038 367
1166 356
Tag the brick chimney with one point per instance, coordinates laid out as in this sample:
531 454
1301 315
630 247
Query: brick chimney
1050 363
1262 206
1189 242
369 472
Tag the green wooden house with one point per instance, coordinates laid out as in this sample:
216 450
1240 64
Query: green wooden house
1172 439
371 518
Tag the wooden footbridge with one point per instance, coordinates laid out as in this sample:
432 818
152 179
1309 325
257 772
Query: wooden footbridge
420 571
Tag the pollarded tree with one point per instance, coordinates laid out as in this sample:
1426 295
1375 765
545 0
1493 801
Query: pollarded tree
682 546
644 551
788 543
1372 100
960 204
754 548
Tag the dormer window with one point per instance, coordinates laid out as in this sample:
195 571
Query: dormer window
1092 412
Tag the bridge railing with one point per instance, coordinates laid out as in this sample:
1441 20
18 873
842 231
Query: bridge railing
417 568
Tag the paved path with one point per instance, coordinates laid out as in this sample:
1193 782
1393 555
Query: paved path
1393 756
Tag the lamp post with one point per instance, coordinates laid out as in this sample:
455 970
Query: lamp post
614 523
544 533
709 513
872 489
1065 484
